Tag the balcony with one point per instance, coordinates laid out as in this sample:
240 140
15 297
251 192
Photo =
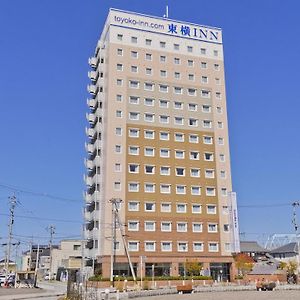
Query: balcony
89 226
91 189
89 181
93 62
89 262
91 132
90 148
93 75
89 244
89 164
90 207
92 104
88 198
91 172
92 89
91 117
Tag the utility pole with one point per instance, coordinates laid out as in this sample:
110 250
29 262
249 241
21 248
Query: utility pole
52 232
13 203
16 273
36 265
296 227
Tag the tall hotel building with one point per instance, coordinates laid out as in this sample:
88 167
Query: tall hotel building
158 143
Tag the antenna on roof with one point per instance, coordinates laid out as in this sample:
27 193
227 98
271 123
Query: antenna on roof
166 15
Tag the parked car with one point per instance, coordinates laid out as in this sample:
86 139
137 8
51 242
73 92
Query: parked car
265 286
2 279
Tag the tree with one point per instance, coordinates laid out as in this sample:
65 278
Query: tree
192 267
244 263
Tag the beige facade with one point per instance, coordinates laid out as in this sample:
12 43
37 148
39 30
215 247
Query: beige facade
158 140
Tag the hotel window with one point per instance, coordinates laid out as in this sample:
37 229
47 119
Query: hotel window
149 86
163 73
164 170
180 171
179 137
178 120
120 37
211 227
117 186
148 42
120 52
148 71
133 206
119 82
133 225
181 208
134 69
118 131
149 151
223 192
208 156
163 103
148 56
196 209
118 148
133 187
220 141
204 79
198 246
134 100
165 188
203 51
176 61
134 116
222 157
225 210
216 52
208 140
165 207
133 150
180 189
149 134
117 167
206 108
217 80
164 119
217 67
207 123
192 107
228 247
134 84
149 169
192 92
133 246
211 209
119 113
203 65
134 39
178 105
164 153
163 88
193 122
176 46
177 75
149 102
189 49
219 110
210 191
197 227
162 58
133 168
190 63
205 93
165 136
149 226
220 125
226 227
177 90
223 174
134 54
213 247
162 44
209 173
119 67
195 172
148 117
182 246
194 155
196 190
149 206
119 98
191 77
166 246
179 154
181 227
149 187
134 132
166 226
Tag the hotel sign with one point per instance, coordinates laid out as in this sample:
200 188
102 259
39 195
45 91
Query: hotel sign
165 26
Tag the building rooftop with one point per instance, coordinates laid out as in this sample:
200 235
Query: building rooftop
252 246
288 248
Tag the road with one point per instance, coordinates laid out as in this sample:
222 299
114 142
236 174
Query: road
244 295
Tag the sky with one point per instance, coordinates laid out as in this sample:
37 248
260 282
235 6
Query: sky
44 49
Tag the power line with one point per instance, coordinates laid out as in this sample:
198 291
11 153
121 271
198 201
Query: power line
264 205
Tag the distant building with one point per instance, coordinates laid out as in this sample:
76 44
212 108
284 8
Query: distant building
253 249
11 266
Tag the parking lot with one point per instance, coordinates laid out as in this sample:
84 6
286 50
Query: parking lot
244 295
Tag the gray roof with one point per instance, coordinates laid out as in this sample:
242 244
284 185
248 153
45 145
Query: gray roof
252 246
264 269
288 248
